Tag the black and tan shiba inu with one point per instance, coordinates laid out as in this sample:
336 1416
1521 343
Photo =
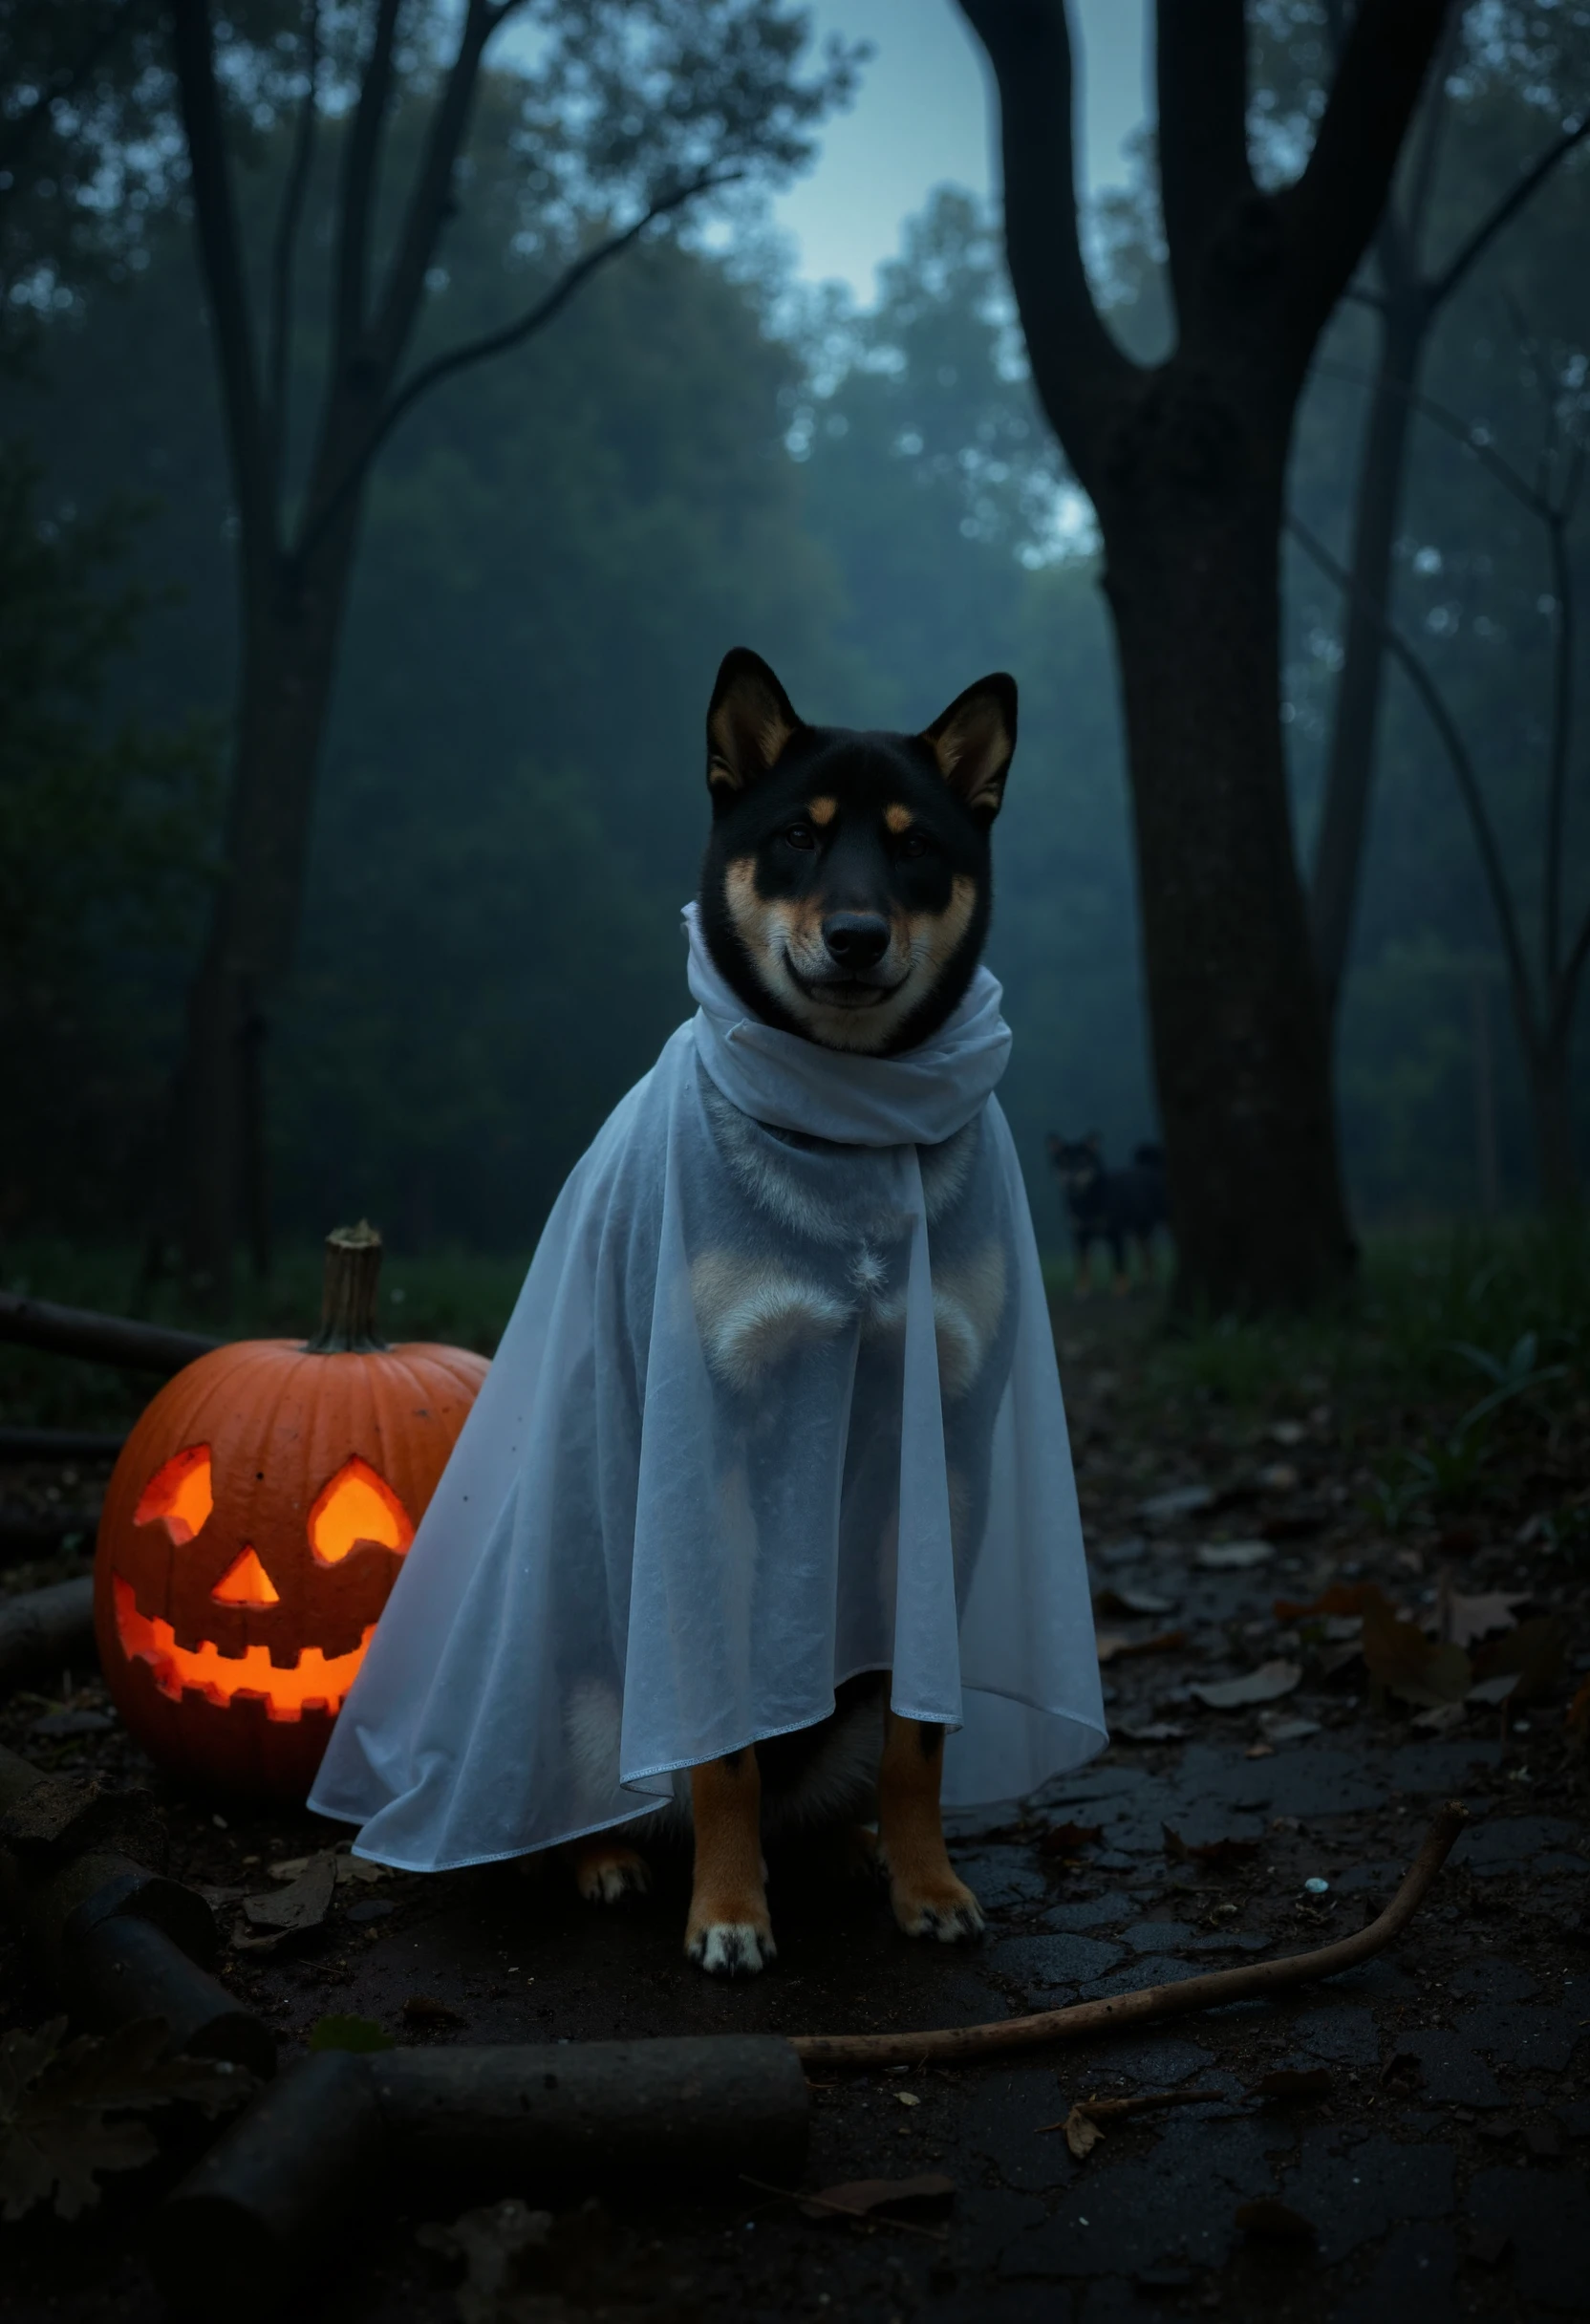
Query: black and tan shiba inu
845 896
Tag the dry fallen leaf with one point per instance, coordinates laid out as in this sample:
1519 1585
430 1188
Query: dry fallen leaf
1442 1718
1114 1647
303 1903
1468 1619
1578 1721
1403 1662
1220 1855
857 2197
1266 1685
1118 1604
505 2251
1233 1557
360 1868
1342 1598
1065 1839
1296 2082
1536 1651
1152 1731
1181 1501
428 2009
1270 2222
1082 2125
70 2112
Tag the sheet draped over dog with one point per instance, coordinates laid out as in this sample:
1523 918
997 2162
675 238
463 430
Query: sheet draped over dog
778 1405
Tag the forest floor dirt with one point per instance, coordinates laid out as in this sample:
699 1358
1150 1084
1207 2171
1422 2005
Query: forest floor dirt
1436 2163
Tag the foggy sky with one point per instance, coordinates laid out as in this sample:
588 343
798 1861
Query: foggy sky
924 116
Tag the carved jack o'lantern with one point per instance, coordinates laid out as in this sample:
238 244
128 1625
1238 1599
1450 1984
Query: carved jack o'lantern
254 1525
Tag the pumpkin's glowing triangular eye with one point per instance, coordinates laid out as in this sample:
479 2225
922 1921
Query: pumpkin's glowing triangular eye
358 1506
246 1583
178 1495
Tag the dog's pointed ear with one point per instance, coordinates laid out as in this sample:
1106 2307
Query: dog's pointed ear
749 724
974 741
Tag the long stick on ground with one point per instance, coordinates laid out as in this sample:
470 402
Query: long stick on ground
953 2045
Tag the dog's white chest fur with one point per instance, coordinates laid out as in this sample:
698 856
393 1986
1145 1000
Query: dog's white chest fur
836 1257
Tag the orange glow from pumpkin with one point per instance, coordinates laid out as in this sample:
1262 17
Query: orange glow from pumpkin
246 1583
316 1681
178 1496
358 1506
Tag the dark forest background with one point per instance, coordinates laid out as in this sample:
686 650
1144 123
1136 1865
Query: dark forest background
560 546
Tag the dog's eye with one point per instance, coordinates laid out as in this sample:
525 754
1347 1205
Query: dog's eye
800 835
913 843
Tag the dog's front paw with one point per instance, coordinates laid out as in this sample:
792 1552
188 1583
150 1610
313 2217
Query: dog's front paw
607 1876
730 1949
944 1908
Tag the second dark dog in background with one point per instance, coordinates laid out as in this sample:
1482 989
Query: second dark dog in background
1110 1206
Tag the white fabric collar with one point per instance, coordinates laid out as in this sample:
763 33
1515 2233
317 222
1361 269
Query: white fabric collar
918 1099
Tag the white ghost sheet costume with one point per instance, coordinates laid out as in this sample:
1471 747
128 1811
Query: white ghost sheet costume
778 1405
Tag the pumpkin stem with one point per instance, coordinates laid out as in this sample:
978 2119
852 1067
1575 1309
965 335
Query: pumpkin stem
347 1296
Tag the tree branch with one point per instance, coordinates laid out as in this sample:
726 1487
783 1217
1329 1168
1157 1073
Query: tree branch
279 357
1078 371
1331 211
1567 983
1489 458
221 260
490 343
359 188
1562 727
1462 764
1505 210
1427 149
1201 74
432 193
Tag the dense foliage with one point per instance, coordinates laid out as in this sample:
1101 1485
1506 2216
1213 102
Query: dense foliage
559 547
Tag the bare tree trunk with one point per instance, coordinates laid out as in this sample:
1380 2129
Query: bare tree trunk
291 632
1551 1103
293 592
1184 462
1239 1040
1350 764
1487 1167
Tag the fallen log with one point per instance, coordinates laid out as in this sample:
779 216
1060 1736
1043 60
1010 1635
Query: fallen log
59 1444
1120 2012
237 2235
117 1940
47 1630
101 1339
242 2230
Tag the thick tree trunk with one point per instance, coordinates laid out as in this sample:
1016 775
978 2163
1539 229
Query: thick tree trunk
289 639
1191 520
1350 764
1551 1103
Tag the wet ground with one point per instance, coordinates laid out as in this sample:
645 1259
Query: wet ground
1436 2165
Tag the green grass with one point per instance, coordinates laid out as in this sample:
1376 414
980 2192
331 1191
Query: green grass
1421 1300
1420 1297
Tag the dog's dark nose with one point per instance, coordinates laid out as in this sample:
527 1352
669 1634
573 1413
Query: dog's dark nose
856 940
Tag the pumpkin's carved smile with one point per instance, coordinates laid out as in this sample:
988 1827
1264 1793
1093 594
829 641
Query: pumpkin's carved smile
356 1509
313 1682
